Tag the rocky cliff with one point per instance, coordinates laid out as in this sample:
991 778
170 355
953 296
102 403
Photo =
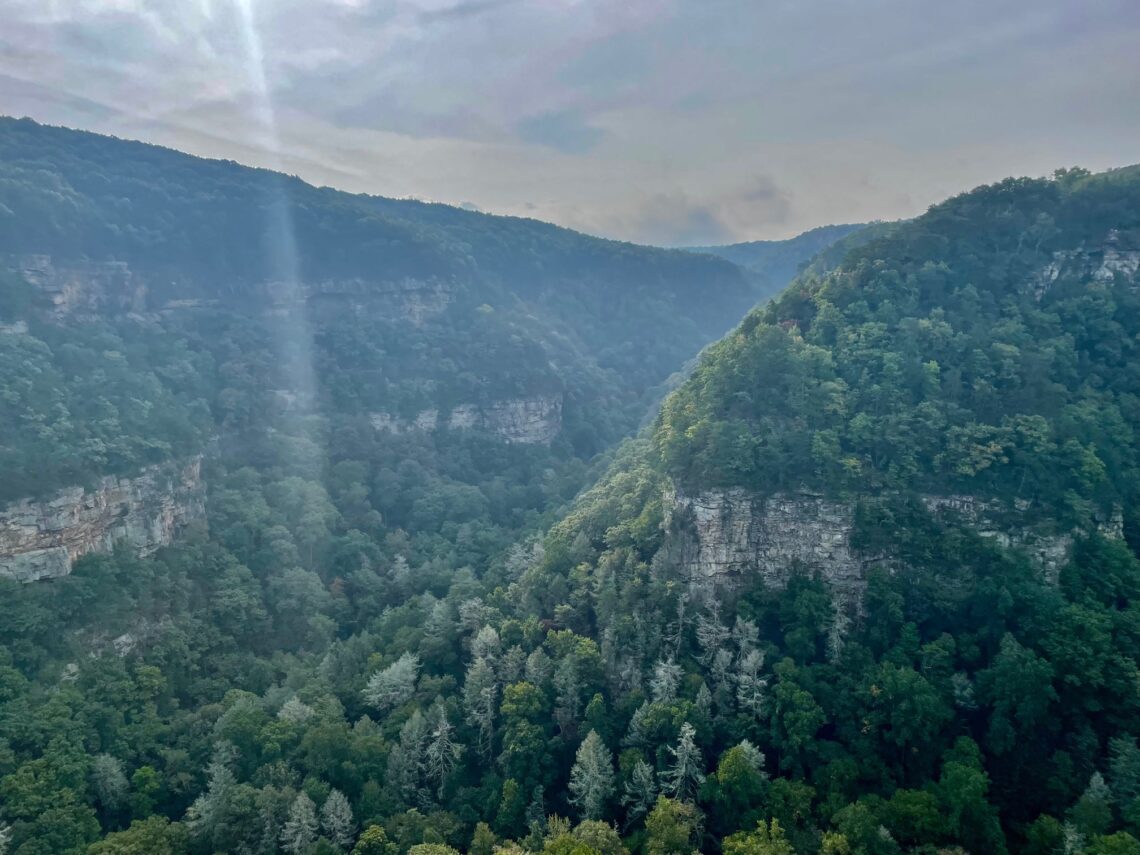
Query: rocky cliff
522 420
1118 256
78 289
724 535
41 539
414 300
83 287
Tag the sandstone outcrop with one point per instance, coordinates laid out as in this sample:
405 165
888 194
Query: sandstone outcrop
84 287
1101 264
727 535
535 420
42 539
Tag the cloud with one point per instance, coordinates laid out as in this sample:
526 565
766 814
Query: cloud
466 9
675 220
655 120
678 218
565 131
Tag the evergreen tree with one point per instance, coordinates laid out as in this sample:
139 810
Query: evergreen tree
337 821
640 791
209 816
592 777
443 752
666 679
686 775
480 694
392 686
407 763
300 831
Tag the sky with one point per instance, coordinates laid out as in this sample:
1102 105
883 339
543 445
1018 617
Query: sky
671 122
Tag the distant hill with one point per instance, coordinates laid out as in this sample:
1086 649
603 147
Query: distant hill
391 307
775 262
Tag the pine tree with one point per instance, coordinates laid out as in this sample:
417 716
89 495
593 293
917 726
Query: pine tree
208 816
721 673
640 791
666 680
751 688
592 777
393 685
702 704
300 831
636 737
480 694
539 668
337 821
568 691
443 752
512 664
675 631
486 644
686 775
711 633
406 763
400 571
745 634
837 632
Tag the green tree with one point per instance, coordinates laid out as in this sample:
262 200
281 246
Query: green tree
670 827
592 777
767 839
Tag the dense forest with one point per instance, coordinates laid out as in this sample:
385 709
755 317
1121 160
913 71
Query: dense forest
420 641
199 351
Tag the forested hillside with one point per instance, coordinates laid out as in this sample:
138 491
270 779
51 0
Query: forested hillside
388 395
392 635
955 394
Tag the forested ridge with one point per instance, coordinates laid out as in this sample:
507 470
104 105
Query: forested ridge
390 643
210 250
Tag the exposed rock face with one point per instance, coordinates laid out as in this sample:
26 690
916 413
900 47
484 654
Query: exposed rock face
1047 550
41 539
533 420
84 287
79 288
727 534
413 299
1102 264
523 420
731 533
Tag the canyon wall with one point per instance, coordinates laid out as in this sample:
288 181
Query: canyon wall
523 420
725 535
42 539
1118 256
79 289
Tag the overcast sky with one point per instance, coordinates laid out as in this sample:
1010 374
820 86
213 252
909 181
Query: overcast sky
659 121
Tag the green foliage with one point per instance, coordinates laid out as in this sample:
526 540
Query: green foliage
941 357
374 634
